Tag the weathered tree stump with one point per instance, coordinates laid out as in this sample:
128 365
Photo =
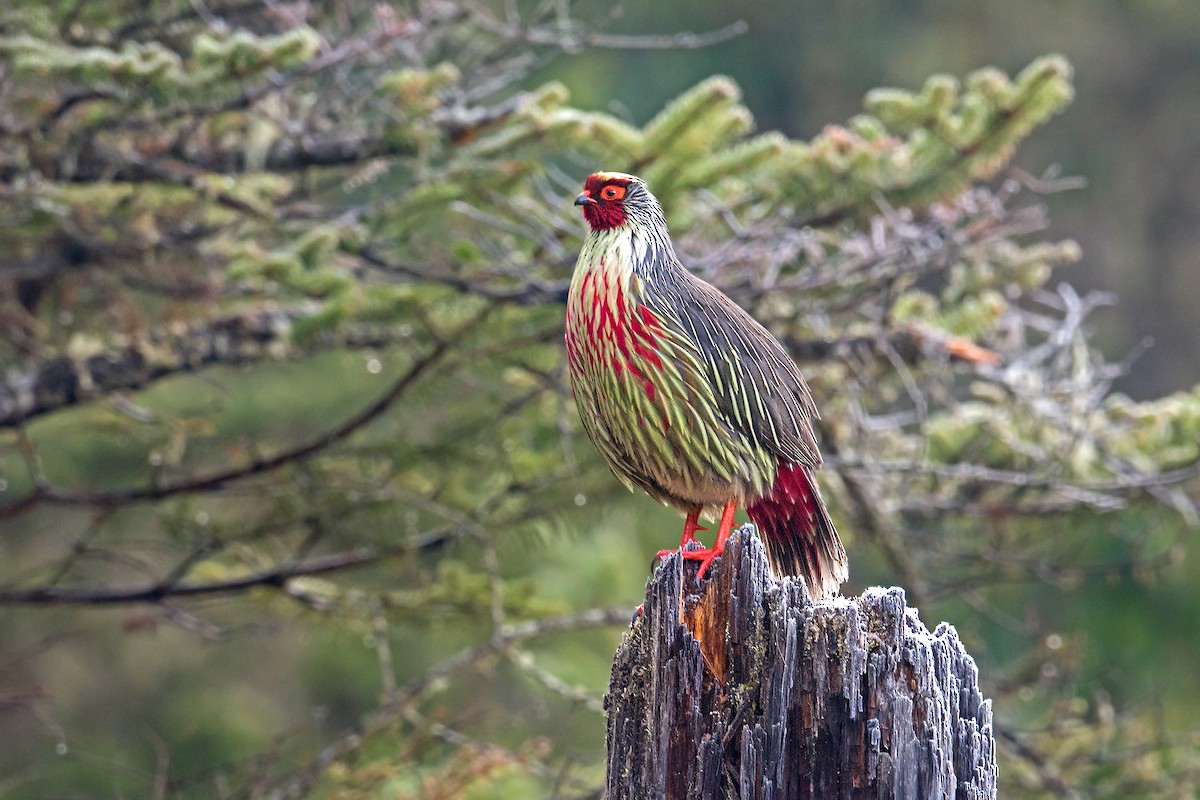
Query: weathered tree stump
745 688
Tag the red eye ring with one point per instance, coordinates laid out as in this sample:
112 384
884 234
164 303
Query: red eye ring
612 192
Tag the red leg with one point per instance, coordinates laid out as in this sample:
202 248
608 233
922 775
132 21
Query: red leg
726 525
690 526
689 531
706 557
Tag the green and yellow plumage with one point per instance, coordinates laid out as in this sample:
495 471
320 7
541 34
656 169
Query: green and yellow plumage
685 395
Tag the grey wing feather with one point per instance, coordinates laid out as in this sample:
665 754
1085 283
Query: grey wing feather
759 389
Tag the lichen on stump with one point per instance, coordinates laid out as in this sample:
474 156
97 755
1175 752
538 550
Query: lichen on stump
746 688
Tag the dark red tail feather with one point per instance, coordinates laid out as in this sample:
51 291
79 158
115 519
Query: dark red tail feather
798 534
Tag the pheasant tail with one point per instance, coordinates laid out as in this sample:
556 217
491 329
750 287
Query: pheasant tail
798 534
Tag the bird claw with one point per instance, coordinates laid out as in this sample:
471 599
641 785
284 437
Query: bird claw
693 550
705 563
705 556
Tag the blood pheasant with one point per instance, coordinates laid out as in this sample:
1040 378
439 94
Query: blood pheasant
686 396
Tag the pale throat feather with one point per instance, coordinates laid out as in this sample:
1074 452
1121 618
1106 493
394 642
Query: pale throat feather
612 254
605 282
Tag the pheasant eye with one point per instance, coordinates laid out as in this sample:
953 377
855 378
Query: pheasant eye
612 192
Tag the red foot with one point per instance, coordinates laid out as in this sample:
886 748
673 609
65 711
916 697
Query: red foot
689 533
707 556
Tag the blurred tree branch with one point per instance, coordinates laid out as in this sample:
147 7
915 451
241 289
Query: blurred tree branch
44 493
173 588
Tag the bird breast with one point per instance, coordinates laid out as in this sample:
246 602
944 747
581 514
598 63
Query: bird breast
641 389
612 340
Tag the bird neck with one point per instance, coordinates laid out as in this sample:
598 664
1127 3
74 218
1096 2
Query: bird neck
610 330
628 255
606 302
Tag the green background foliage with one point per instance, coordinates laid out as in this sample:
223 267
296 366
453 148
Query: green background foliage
294 499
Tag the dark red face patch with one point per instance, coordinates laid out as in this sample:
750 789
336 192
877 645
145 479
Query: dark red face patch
608 211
